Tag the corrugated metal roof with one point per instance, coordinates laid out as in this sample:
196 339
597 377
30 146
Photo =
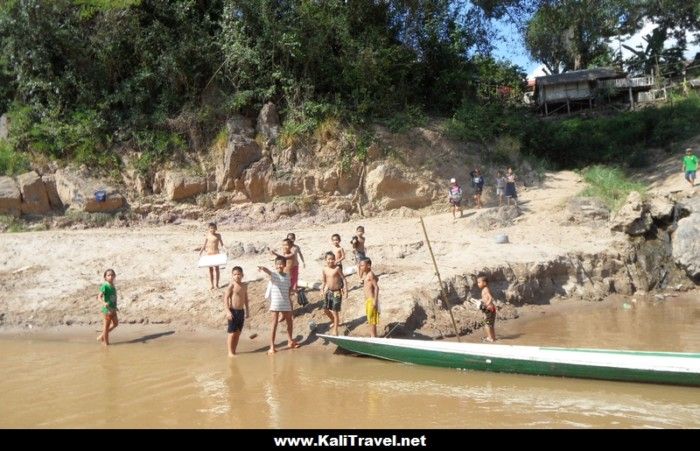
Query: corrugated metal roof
579 75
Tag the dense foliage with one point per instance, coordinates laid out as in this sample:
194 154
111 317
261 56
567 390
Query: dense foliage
82 79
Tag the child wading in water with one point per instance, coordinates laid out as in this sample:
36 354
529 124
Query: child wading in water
211 245
108 295
235 299
280 302
488 307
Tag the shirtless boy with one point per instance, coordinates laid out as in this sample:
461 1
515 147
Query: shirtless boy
211 244
371 289
235 299
333 289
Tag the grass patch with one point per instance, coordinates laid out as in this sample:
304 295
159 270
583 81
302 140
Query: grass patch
12 224
611 185
89 219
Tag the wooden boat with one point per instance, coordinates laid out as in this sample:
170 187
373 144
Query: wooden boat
677 368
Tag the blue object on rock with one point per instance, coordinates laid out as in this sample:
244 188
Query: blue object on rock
100 196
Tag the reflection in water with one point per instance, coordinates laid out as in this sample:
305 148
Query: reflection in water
272 397
172 382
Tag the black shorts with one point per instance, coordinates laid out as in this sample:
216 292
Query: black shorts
490 317
236 324
333 300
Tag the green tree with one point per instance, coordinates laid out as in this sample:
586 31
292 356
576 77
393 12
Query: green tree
571 34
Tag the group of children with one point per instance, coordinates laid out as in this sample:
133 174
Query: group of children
505 188
283 284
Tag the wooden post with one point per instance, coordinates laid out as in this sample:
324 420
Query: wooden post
629 86
437 273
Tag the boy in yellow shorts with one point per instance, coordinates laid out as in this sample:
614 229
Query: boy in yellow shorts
371 287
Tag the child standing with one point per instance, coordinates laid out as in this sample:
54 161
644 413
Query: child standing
511 193
690 166
371 284
488 307
294 271
211 244
500 187
235 298
333 288
358 248
338 251
454 196
478 185
280 301
291 267
108 295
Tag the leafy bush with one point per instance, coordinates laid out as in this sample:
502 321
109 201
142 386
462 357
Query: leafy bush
11 161
155 148
412 116
577 142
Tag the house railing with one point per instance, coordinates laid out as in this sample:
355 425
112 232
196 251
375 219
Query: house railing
637 82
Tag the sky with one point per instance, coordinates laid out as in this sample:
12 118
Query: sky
511 47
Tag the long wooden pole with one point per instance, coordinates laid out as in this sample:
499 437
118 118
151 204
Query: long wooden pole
437 273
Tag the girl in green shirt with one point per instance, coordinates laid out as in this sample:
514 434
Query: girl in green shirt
108 296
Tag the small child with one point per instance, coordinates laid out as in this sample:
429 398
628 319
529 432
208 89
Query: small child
211 244
108 295
235 298
294 270
511 192
291 254
371 295
500 187
358 248
280 301
333 289
488 307
690 166
478 185
454 196
338 251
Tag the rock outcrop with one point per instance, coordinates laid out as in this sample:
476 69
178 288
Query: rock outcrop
52 191
269 122
686 239
389 187
633 218
10 197
241 152
179 185
35 199
77 192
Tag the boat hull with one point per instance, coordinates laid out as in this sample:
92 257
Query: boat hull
476 358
